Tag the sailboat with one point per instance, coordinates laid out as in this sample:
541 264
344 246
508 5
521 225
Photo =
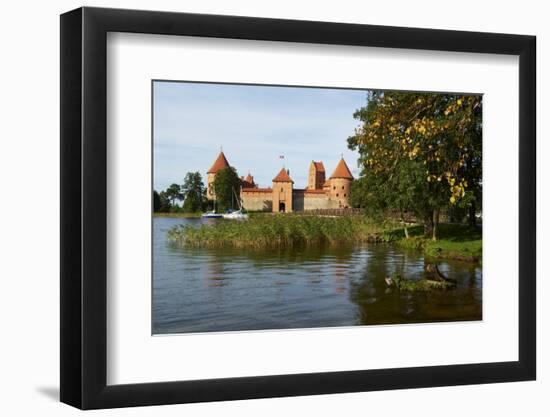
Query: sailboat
212 214
236 214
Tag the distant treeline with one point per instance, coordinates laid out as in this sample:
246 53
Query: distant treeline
189 197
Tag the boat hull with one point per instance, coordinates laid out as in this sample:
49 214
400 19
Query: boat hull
235 216
212 216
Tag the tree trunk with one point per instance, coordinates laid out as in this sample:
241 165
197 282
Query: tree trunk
429 225
435 224
404 225
432 272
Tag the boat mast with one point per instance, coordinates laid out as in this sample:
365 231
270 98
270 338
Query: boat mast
239 199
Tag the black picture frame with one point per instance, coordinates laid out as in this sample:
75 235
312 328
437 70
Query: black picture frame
84 207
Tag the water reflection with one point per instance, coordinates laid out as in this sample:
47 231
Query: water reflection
197 290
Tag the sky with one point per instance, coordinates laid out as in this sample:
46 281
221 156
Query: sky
254 125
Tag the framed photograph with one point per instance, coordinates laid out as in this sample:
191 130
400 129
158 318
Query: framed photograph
256 208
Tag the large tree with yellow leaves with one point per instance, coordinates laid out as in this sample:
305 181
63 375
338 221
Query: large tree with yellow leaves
420 152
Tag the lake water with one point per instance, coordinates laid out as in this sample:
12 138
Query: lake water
206 290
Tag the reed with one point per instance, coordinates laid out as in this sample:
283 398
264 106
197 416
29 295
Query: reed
457 242
277 230
179 215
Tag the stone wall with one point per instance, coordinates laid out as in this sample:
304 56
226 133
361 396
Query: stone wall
262 200
308 200
298 200
318 201
257 200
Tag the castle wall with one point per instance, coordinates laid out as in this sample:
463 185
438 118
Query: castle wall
298 200
318 201
261 199
304 200
257 200
318 194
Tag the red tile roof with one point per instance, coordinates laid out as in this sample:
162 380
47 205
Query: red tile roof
282 176
319 166
219 163
342 171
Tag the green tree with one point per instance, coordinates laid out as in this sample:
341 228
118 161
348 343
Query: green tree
164 203
420 152
174 194
380 193
226 186
359 193
193 192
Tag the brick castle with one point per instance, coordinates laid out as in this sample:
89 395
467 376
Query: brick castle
320 193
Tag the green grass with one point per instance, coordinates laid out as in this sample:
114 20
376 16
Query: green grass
455 241
286 230
179 215
278 231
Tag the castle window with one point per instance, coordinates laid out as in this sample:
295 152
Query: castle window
344 195
282 189
342 187
334 187
336 194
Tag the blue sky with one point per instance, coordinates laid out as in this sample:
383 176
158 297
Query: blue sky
254 125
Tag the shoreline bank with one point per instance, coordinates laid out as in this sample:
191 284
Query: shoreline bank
456 242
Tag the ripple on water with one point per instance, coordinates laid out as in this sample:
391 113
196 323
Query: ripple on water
227 289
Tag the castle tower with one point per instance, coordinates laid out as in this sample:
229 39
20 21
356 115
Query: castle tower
282 192
316 176
340 184
219 163
248 182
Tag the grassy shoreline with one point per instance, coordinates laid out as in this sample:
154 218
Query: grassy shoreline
456 242
179 215
276 230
